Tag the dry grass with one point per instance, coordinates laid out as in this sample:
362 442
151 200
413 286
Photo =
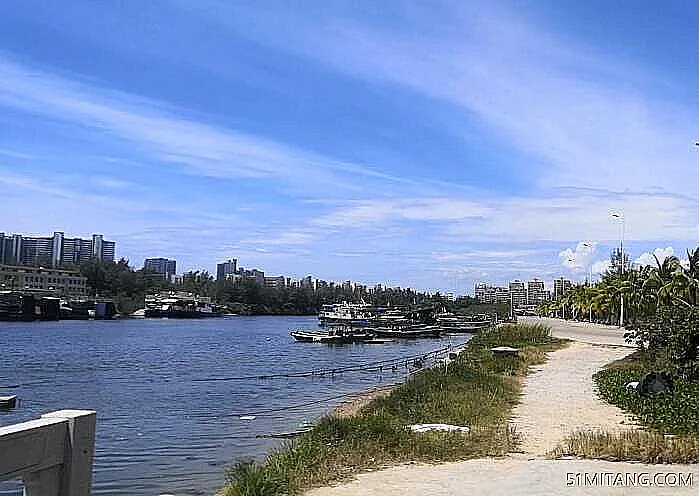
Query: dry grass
636 445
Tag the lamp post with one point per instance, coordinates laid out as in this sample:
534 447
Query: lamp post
589 269
620 217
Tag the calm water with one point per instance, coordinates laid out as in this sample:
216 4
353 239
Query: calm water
160 429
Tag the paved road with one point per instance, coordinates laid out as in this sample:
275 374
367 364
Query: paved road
581 331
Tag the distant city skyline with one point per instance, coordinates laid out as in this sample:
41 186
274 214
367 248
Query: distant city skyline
428 145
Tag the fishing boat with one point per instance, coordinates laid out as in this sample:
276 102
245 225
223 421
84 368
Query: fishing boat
353 314
180 305
452 323
407 332
334 335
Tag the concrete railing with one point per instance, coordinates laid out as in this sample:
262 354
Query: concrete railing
52 455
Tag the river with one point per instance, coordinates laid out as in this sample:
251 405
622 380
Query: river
166 421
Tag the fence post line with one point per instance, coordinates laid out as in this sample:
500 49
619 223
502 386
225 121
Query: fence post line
76 477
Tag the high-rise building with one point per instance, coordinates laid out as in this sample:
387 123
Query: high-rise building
485 293
164 268
53 251
561 286
491 294
274 282
57 249
518 294
536 293
226 270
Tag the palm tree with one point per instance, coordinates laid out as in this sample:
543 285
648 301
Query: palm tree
690 276
664 279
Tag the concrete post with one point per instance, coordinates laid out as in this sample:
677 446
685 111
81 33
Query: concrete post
76 479
53 455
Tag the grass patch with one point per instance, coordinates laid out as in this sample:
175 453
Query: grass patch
668 413
477 390
642 446
672 419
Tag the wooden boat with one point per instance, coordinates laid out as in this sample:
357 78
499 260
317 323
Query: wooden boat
408 332
332 336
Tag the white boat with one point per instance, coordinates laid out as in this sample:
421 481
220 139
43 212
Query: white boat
356 314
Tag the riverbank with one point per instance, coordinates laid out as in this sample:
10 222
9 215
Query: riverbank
476 390
559 397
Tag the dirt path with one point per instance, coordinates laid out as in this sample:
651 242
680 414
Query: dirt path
559 398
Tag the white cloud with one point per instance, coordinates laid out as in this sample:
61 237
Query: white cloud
600 267
647 258
581 258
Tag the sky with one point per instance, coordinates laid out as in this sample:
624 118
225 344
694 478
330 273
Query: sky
430 145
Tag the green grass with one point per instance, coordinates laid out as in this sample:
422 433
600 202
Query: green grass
476 390
671 419
668 413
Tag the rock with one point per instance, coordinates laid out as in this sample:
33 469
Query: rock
632 385
504 351
655 382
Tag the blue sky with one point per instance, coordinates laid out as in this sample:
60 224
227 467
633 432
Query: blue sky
422 144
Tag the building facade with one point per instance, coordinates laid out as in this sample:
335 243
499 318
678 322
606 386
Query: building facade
275 282
53 251
491 294
57 281
227 270
163 268
561 286
518 294
536 292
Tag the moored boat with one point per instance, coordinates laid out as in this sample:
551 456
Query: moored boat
334 335
180 306
408 332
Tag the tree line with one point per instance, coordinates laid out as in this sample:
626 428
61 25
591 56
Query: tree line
128 287
657 304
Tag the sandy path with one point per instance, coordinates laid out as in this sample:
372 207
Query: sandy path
558 398
516 476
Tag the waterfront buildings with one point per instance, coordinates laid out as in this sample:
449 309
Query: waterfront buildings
275 282
227 270
58 281
161 268
560 286
517 293
536 292
53 251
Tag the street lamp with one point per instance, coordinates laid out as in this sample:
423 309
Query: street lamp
620 217
589 269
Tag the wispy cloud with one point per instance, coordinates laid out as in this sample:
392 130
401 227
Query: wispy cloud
564 217
200 149
586 116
